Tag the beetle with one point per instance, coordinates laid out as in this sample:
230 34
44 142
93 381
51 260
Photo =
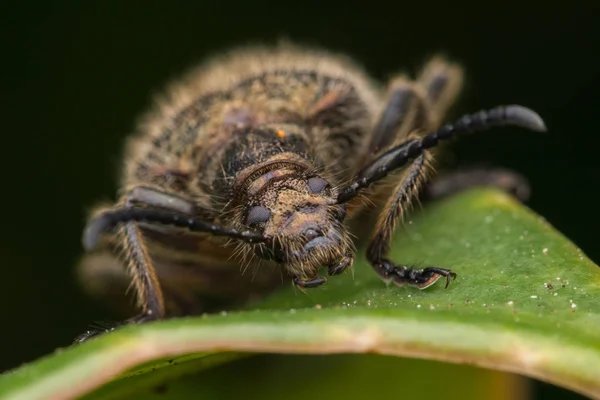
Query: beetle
247 171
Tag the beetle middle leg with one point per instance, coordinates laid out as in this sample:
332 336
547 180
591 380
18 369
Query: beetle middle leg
456 181
442 81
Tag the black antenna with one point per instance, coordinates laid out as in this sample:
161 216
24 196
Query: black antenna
398 156
110 219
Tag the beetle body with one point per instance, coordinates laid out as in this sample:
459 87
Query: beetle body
246 173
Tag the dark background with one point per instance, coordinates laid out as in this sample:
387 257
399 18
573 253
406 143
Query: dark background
74 77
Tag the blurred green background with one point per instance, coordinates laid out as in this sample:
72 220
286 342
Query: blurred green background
74 77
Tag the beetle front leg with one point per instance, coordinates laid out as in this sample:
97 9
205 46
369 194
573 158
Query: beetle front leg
310 283
394 210
158 208
402 274
150 297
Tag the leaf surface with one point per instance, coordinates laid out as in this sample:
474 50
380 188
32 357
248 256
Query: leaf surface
525 300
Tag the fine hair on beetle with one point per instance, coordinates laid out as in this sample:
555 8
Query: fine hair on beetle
248 171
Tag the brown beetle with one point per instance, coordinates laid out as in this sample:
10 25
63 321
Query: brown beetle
247 171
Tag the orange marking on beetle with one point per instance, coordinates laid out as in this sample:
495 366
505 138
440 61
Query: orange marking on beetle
280 133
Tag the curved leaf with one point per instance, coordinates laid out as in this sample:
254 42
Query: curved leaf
525 301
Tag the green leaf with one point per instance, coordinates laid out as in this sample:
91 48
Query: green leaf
525 301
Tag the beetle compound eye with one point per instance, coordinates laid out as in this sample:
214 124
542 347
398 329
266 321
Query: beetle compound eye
257 215
316 184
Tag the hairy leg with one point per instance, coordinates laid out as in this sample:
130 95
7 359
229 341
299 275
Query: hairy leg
430 98
442 81
104 276
140 268
414 149
407 111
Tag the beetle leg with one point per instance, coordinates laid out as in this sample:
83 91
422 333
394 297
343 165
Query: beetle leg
456 181
310 283
157 208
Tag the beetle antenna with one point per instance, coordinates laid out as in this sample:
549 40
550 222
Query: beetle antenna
398 156
110 219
